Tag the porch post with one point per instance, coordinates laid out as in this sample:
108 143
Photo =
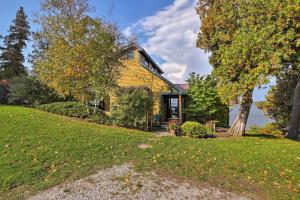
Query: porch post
180 108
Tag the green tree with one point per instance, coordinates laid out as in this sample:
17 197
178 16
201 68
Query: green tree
205 103
133 107
294 62
12 58
74 53
30 91
279 100
248 40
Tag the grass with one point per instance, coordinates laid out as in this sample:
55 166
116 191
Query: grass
39 150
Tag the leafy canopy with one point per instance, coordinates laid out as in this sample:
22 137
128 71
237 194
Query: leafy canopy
279 100
205 103
248 41
29 90
74 53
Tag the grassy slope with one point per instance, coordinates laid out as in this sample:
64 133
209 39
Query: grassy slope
39 150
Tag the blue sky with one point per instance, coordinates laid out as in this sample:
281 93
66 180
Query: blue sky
167 29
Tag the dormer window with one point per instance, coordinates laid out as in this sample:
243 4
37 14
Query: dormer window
151 68
147 63
130 55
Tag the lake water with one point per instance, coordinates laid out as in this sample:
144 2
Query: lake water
256 116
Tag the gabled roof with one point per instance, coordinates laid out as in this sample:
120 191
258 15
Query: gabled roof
140 49
183 86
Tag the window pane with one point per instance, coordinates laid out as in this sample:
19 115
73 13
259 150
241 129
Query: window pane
146 63
173 108
130 55
174 102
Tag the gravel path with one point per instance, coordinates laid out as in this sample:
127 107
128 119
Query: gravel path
122 182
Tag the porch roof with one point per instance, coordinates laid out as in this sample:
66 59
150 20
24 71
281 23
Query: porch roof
174 93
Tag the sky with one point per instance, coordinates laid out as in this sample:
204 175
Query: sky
166 29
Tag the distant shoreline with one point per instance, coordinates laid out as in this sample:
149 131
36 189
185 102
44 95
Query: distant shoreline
256 116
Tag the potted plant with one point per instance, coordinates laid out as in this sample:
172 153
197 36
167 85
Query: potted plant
172 128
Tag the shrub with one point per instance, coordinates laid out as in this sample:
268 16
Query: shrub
268 129
133 107
76 109
30 91
70 109
100 118
253 130
271 128
195 129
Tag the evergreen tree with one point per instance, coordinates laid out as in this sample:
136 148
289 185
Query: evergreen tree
12 58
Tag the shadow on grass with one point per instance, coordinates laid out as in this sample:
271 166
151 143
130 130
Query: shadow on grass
266 136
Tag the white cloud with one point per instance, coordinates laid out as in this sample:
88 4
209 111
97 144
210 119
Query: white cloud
171 34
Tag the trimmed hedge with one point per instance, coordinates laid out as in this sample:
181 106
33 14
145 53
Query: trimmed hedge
76 109
195 129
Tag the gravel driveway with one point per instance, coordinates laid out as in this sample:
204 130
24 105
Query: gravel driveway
122 182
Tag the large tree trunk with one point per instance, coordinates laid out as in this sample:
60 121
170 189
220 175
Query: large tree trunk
295 116
239 125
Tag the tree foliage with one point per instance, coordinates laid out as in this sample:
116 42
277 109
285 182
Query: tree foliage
75 54
133 107
247 39
248 42
12 58
30 91
279 100
205 103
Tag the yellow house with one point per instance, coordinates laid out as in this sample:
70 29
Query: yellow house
140 70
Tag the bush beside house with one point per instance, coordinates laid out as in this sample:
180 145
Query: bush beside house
133 107
195 129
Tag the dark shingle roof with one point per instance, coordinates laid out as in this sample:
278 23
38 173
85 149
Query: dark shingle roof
182 86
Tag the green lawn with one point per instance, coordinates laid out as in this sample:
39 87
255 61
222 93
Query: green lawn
39 150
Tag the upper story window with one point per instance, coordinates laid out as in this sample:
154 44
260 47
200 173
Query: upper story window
151 68
147 63
130 55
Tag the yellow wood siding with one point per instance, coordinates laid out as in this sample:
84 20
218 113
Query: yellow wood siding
133 74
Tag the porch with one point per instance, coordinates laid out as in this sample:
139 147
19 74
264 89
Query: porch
172 107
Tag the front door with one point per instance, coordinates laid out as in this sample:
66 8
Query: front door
173 108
